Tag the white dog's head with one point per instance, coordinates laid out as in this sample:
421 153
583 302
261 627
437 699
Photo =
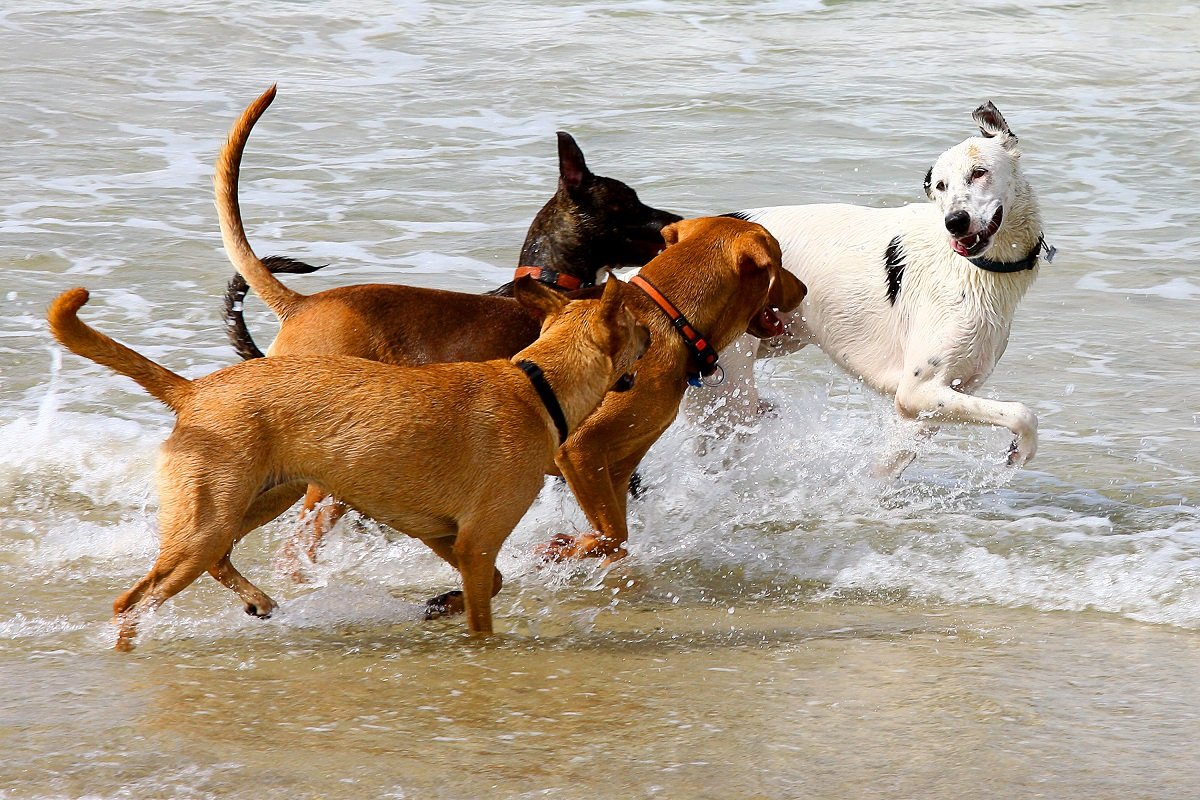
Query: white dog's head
975 181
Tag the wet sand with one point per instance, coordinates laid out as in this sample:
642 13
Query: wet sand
836 700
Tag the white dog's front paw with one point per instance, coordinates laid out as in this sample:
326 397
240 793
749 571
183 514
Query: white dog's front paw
1024 447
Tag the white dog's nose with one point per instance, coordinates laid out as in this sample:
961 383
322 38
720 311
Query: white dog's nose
958 222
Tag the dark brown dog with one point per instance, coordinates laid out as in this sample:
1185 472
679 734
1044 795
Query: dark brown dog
452 454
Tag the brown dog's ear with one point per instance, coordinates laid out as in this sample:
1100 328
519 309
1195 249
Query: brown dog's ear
614 294
786 291
538 297
676 232
758 250
670 234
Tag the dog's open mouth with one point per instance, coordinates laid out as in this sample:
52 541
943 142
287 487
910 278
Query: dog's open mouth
766 324
975 243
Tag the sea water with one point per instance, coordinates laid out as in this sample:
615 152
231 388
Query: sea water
785 625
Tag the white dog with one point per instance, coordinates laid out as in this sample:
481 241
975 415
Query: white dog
916 301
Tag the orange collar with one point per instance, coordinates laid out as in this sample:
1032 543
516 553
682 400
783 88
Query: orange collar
706 355
552 278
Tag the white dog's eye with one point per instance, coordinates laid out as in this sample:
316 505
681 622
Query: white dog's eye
941 186
978 173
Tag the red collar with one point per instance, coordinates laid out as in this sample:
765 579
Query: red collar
706 355
552 278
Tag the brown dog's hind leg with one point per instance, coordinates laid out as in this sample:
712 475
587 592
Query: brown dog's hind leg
266 506
452 602
257 603
269 505
174 570
188 550
319 514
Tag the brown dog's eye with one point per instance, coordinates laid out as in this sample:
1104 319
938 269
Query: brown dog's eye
978 173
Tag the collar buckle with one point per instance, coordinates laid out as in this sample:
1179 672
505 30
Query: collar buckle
552 277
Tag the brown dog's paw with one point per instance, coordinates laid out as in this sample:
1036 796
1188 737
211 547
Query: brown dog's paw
560 548
565 547
444 605
260 610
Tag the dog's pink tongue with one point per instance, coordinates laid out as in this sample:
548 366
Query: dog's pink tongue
959 247
770 321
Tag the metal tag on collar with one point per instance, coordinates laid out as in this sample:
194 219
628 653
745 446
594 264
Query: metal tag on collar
708 380
1049 249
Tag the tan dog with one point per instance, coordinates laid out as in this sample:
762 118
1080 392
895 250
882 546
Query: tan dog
453 454
724 276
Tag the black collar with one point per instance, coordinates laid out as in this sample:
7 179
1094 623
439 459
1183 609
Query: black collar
706 355
549 400
1028 262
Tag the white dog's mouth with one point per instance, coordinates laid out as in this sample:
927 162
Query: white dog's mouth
975 243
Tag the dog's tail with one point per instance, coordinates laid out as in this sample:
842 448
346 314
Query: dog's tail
235 298
80 338
278 297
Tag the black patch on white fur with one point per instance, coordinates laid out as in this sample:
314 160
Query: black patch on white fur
742 215
929 183
893 262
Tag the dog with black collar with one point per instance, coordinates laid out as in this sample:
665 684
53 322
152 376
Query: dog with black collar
452 454
917 301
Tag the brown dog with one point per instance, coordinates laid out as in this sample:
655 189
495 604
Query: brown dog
591 222
452 454
717 278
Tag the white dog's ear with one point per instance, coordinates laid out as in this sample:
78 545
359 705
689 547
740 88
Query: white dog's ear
992 124
929 183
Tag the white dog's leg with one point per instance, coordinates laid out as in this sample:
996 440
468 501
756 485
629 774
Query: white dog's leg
938 402
898 459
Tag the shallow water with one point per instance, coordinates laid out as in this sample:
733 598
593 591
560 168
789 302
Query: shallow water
784 626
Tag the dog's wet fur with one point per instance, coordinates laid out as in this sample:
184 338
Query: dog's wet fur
452 454
917 301
724 276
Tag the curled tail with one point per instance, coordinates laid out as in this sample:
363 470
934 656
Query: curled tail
235 296
278 297
82 339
